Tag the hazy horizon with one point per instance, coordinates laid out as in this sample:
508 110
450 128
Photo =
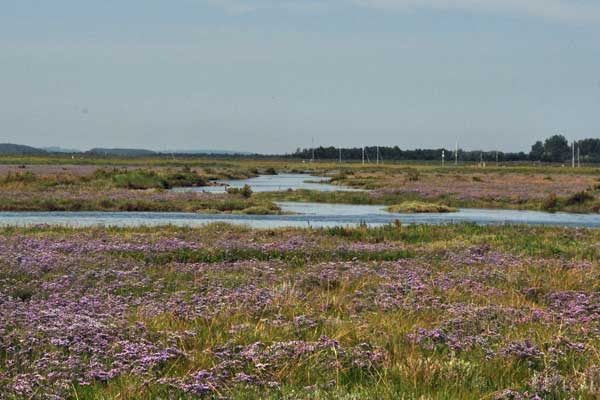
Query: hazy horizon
267 76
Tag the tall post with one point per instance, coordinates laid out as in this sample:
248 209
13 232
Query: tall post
363 155
443 157
340 155
456 154
573 150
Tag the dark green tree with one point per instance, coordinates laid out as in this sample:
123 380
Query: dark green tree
590 149
537 151
557 148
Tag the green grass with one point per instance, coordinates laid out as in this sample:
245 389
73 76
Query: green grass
416 207
147 203
140 179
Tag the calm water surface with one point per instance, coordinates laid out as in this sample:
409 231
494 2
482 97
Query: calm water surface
272 183
309 214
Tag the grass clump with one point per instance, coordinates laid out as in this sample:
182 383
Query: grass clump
245 191
578 198
26 177
23 293
416 207
145 179
185 178
140 180
413 174
261 210
550 203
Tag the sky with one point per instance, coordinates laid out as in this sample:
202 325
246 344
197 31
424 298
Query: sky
268 76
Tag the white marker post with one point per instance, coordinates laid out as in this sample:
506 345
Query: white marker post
456 154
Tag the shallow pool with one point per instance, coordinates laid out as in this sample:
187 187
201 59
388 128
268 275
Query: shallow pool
272 183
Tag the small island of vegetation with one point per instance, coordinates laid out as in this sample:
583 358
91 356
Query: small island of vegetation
418 207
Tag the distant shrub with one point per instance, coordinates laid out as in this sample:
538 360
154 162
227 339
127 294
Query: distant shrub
413 174
106 203
245 191
108 173
550 203
185 178
477 179
270 171
578 198
23 293
76 205
140 180
50 205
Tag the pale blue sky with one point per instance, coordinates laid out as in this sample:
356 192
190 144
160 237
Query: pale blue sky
268 75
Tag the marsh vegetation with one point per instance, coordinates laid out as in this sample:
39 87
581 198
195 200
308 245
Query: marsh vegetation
452 312
48 184
443 312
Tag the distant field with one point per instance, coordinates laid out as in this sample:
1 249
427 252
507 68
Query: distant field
62 183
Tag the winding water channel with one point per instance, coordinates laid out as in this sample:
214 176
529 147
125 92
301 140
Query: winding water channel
304 214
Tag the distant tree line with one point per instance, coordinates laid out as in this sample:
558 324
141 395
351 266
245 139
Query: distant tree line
553 149
558 149
395 153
